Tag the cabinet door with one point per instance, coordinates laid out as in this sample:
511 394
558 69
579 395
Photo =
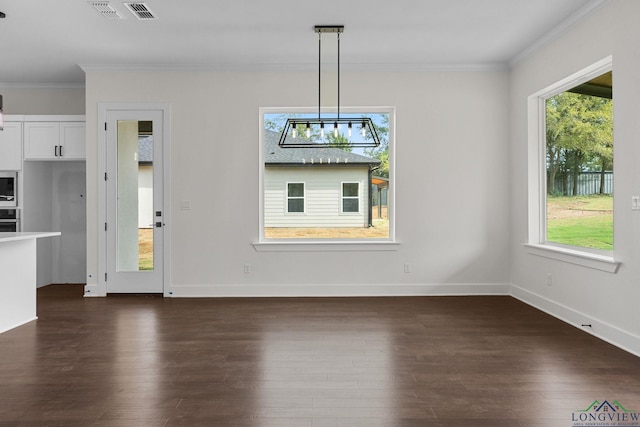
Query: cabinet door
72 140
41 140
11 147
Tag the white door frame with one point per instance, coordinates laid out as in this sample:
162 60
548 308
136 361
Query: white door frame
103 108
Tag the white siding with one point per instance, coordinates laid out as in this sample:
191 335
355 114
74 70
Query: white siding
323 196
145 196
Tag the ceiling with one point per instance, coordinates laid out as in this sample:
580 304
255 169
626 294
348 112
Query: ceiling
45 41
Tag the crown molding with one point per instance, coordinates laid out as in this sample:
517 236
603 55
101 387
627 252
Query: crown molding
361 67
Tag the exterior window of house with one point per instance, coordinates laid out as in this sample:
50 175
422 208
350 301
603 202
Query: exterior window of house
350 197
295 197
573 202
579 159
330 188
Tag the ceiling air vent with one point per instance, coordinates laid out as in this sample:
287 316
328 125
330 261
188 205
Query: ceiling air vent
141 11
105 9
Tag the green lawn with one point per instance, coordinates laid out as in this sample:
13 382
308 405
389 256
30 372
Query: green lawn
585 221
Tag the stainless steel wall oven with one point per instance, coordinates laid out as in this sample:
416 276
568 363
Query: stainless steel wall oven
9 220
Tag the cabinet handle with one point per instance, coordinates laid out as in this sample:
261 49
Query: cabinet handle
55 151
60 150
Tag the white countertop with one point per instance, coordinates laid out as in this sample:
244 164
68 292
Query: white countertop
10 237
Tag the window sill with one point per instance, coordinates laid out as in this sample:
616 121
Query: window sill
332 246
574 256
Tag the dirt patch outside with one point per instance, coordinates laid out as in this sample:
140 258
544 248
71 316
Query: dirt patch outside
380 230
576 208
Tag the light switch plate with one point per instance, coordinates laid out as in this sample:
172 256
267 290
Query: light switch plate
185 205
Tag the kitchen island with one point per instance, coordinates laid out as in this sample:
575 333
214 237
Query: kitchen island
18 278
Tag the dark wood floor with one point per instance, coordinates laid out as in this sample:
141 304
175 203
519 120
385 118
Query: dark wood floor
350 362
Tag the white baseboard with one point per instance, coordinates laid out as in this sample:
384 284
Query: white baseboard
337 290
8 328
606 332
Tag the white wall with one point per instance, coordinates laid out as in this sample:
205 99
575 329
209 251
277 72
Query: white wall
451 192
43 100
582 295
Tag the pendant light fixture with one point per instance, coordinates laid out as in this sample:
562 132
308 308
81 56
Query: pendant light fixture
290 137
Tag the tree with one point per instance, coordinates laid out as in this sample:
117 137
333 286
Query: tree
382 152
339 141
579 133
276 123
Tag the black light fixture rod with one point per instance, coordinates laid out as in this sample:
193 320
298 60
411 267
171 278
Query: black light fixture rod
338 75
327 29
319 72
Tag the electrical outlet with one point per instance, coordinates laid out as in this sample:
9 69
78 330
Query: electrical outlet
185 205
635 203
247 268
407 268
549 280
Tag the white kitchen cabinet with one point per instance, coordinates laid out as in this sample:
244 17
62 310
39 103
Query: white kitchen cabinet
54 140
11 147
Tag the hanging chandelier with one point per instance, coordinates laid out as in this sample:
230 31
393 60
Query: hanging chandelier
297 132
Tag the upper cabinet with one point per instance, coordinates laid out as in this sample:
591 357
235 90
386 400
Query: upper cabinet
11 147
54 140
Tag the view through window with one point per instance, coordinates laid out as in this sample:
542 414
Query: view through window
579 165
330 191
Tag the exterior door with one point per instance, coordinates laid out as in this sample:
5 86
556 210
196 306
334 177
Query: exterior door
134 201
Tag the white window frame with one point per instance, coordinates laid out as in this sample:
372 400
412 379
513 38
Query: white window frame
537 172
358 198
287 198
315 245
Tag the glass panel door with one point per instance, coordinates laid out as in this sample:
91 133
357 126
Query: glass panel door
135 196
134 201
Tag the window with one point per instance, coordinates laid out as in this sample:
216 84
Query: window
295 197
579 159
571 163
335 191
350 197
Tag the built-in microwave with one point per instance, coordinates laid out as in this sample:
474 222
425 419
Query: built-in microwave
8 189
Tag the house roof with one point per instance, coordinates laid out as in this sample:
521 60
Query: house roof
329 156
